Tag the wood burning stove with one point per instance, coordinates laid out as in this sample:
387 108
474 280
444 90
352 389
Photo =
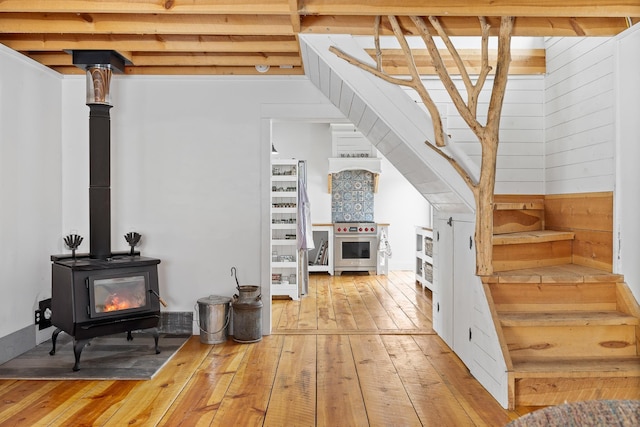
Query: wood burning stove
102 293
93 297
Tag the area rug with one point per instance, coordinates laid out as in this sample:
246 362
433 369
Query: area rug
592 413
110 357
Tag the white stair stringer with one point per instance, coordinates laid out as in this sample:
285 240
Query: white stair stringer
389 118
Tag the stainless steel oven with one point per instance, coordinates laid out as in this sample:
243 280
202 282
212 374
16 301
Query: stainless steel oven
355 247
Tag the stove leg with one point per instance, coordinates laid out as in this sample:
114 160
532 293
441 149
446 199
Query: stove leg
156 336
129 336
78 346
54 338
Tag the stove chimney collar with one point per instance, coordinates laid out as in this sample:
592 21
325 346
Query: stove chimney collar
99 65
87 58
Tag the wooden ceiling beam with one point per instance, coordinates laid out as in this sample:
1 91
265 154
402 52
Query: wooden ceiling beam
151 43
236 71
200 7
548 8
468 26
523 61
145 24
55 59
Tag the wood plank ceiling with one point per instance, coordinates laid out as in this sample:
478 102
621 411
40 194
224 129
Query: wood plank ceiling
232 37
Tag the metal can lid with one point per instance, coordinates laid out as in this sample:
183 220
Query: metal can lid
214 299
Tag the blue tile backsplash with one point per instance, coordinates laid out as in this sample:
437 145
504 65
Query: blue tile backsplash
352 196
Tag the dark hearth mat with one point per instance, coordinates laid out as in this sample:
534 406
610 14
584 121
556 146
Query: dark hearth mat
105 358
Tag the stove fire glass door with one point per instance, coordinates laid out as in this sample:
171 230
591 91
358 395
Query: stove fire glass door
111 295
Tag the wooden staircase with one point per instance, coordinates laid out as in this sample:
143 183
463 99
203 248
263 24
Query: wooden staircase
568 331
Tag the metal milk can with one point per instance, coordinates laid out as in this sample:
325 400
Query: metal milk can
247 313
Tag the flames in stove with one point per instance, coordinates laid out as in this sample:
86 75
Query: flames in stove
117 302
120 293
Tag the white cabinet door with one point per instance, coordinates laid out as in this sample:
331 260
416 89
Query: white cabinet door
464 281
443 279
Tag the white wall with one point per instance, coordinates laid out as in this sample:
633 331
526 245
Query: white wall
30 187
397 202
579 115
627 202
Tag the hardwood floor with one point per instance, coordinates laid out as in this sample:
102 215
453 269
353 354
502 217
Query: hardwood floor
356 351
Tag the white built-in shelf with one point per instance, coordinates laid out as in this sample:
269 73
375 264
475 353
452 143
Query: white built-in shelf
284 228
321 257
424 257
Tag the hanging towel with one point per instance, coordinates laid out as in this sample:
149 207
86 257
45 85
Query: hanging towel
305 232
384 245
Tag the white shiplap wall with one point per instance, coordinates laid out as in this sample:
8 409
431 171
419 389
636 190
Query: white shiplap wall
579 115
520 167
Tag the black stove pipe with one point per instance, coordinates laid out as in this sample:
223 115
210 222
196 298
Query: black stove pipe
99 181
99 65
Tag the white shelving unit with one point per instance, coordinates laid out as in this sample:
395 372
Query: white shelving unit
321 258
284 228
424 257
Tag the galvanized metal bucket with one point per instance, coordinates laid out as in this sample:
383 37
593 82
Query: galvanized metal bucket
213 318
247 314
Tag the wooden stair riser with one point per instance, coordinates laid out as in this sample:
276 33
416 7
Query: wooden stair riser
536 297
571 341
590 216
554 390
514 221
514 257
514 213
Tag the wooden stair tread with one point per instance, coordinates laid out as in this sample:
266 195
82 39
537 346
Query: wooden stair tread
567 318
564 273
536 204
537 236
577 367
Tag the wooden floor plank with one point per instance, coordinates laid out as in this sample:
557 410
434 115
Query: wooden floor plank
403 313
340 401
434 403
384 318
48 406
415 294
344 315
361 314
277 307
203 394
98 405
290 314
21 395
466 389
147 403
293 398
326 313
308 314
385 398
247 398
